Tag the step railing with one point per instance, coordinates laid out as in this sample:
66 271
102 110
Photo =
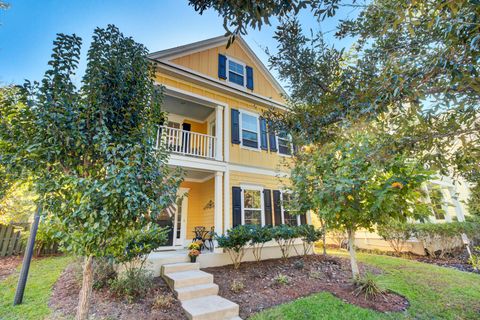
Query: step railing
186 142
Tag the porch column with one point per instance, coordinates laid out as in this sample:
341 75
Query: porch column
218 133
218 223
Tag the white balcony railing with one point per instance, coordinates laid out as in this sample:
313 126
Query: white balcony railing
187 142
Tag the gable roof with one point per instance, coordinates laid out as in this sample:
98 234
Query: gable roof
172 53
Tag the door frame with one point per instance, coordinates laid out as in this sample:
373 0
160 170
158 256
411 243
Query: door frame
183 230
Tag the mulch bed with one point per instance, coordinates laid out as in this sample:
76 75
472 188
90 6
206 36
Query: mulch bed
8 265
64 301
318 273
459 261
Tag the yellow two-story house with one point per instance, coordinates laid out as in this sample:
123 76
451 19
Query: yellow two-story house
215 98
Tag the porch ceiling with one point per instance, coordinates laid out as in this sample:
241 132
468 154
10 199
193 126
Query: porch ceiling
197 175
186 108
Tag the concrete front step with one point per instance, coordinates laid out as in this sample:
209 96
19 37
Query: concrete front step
184 279
179 267
198 291
210 308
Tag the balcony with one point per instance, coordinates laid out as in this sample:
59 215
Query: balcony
187 143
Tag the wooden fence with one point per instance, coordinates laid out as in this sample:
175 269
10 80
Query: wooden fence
10 240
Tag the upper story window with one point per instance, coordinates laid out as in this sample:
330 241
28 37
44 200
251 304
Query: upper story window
252 212
288 216
236 72
249 129
284 143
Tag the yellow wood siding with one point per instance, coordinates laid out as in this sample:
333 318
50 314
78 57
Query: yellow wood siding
206 62
197 126
199 196
238 178
238 155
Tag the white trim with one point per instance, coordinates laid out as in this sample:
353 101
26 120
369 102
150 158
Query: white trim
193 75
198 46
226 134
218 202
262 205
256 170
183 230
257 117
196 163
226 195
282 209
289 138
199 180
244 65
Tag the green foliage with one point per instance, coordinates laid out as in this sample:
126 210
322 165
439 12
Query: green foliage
234 242
281 280
18 204
133 248
46 237
42 276
103 272
132 284
90 151
368 286
285 236
258 237
474 200
309 236
396 233
474 260
440 239
240 15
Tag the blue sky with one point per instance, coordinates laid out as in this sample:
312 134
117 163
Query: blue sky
28 29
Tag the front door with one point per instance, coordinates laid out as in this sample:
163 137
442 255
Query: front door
175 218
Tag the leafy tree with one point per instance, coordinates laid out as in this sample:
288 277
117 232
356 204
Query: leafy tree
357 185
396 233
90 151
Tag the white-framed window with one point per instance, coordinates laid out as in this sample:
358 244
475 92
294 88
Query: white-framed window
252 205
236 72
288 216
249 129
284 143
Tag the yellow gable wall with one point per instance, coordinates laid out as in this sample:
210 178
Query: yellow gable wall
206 62
238 155
199 195
267 182
197 126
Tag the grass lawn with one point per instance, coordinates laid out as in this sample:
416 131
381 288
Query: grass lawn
434 293
43 274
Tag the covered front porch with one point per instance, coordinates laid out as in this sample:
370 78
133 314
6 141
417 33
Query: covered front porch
199 206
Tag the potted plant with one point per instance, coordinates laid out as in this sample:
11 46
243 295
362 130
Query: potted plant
194 251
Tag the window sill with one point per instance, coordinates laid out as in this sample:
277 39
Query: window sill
250 148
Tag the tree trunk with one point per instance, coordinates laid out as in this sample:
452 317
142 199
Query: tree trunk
86 291
351 249
324 238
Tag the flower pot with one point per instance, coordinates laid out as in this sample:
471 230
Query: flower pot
193 259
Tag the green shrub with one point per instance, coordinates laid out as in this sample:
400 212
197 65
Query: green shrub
281 280
474 260
368 286
396 233
439 238
258 237
103 272
133 284
237 286
285 236
309 236
46 237
234 242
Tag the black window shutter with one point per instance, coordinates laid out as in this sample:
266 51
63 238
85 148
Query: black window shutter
267 200
222 66
303 218
237 206
277 209
272 138
235 126
263 134
249 77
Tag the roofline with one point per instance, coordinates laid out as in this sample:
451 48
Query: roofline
211 43
190 74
